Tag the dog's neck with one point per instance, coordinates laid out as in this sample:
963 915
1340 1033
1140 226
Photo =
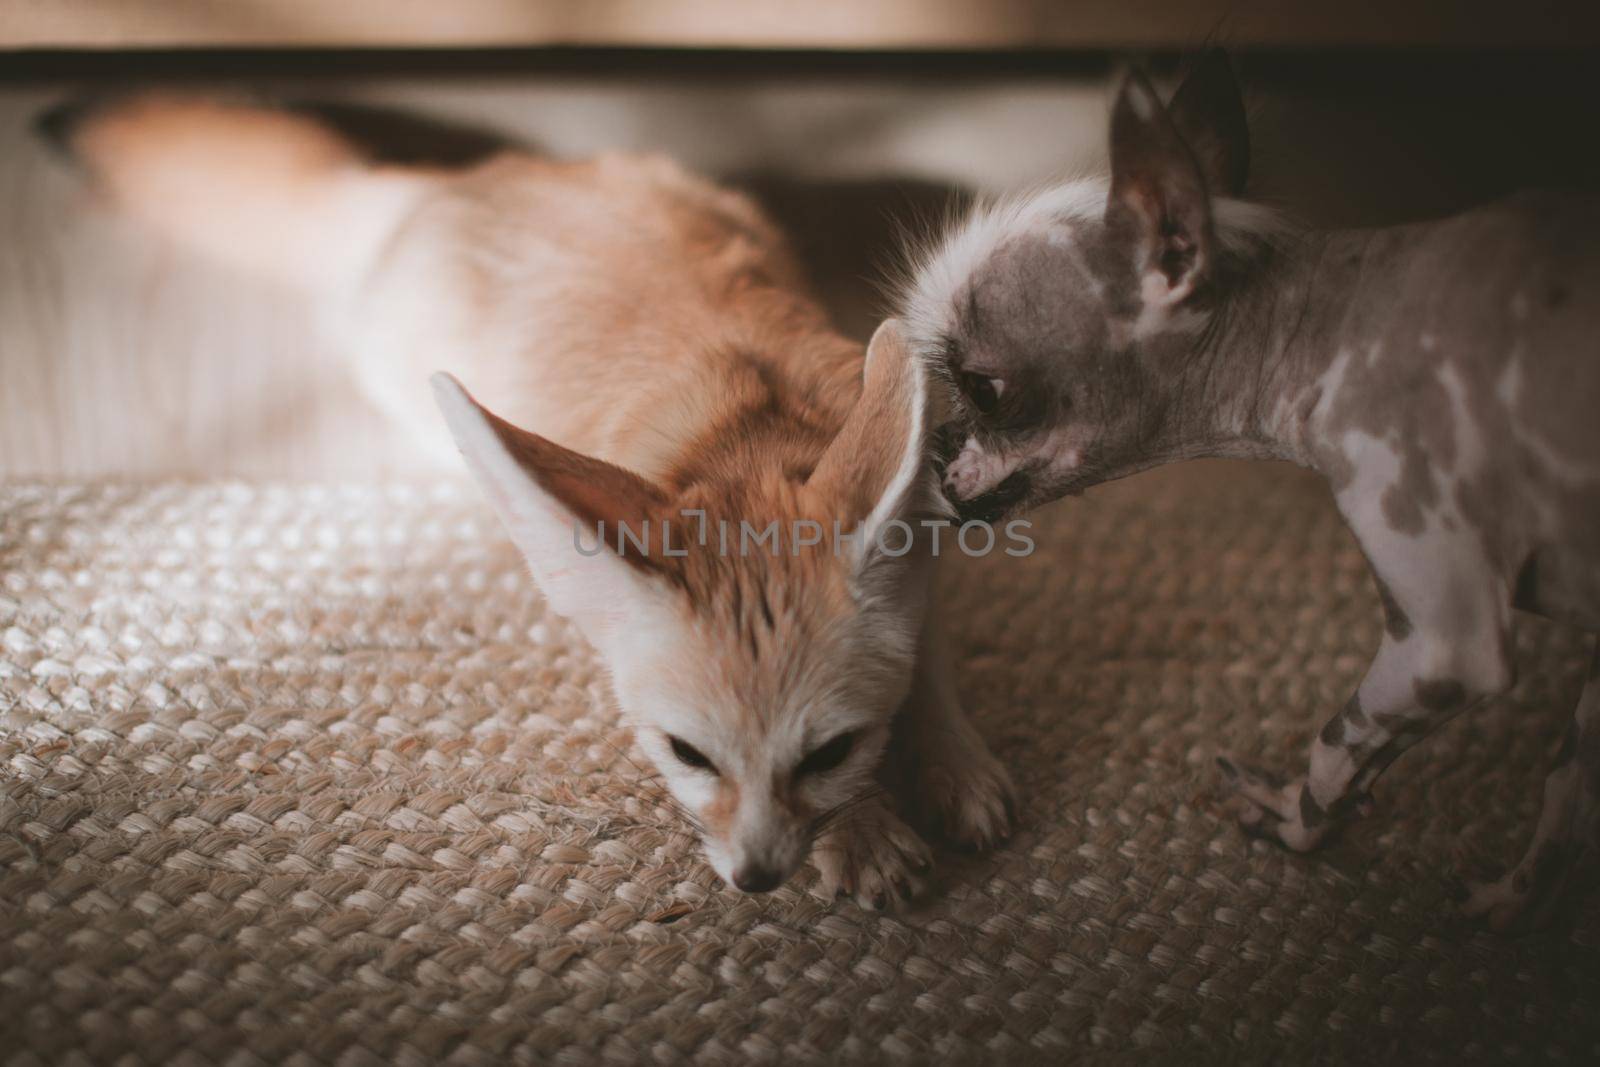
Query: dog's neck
1255 383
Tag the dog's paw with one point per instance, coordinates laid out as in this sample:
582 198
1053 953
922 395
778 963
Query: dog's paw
872 856
1497 903
1524 899
1271 809
967 798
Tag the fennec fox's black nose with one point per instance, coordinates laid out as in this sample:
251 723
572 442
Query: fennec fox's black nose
754 878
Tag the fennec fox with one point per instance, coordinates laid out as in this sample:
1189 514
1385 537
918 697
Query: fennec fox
677 423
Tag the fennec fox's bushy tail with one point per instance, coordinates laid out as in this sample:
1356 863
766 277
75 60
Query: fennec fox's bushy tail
274 193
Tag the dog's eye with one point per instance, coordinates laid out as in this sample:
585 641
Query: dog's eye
826 756
691 756
982 393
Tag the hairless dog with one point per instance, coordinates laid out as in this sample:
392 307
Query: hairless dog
1443 376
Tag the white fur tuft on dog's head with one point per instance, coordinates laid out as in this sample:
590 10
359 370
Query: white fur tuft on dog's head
942 269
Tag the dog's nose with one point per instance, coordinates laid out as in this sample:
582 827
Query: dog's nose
754 878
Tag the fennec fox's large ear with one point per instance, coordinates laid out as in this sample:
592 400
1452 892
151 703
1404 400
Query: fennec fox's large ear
873 472
548 496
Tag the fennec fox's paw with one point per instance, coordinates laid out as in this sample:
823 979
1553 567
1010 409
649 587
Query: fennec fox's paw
967 796
962 793
958 790
868 853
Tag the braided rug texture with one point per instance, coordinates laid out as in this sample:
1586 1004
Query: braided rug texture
309 775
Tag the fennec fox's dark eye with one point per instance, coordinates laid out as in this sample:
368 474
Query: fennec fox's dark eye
982 393
826 756
691 756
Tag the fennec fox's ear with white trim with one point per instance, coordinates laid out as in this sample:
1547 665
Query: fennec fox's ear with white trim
548 497
876 472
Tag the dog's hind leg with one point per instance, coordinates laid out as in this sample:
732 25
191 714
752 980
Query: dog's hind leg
1569 825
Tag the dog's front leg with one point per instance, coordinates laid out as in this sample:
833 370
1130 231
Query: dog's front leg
1444 649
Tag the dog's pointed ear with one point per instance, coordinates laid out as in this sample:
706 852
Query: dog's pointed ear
1158 207
553 502
874 472
1209 113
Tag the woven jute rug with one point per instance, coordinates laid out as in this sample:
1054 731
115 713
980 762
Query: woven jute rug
309 775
